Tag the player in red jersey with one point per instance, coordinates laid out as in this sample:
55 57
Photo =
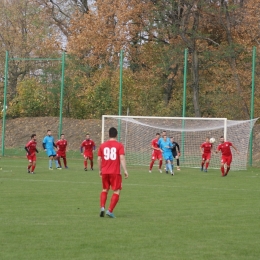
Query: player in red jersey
62 147
89 146
110 154
226 157
156 154
30 148
205 150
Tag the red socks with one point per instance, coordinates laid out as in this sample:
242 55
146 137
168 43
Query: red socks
222 170
207 165
91 164
113 202
202 164
103 199
29 167
228 168
33 167
160 164
58 159
151 165
65 162
85 164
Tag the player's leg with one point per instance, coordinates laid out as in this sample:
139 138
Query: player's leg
91 162
229 160
29 163
58 156
207 163
202 162
172 165
151 165
33 165
58 167
116 185
50 159
58 159
222 166
169 165
85 162
160 164
103 194
65 161
178 162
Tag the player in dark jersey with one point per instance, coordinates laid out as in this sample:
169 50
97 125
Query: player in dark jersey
30 148
176 152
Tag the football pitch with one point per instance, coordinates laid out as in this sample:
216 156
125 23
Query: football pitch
192 215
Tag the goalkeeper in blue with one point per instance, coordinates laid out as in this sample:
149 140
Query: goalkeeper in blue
48 145
166 147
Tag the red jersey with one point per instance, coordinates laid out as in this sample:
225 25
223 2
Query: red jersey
155 144
206 147
62 145
110 152
31 147
88 145
225 148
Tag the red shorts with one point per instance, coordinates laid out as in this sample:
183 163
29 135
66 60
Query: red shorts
112 180
31 158
226 159
61 154
156 156
206 156
88 156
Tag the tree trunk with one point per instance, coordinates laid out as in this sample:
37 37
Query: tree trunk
232 58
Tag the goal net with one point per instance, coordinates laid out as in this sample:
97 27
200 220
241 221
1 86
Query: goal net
137 132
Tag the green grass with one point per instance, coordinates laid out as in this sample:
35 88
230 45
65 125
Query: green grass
193 215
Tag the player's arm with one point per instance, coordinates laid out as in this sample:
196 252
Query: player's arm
179 150
235 148
123 164
94 147
201 149
44 146
155 148
81 149
27 150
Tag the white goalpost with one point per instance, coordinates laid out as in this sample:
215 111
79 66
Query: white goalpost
136 133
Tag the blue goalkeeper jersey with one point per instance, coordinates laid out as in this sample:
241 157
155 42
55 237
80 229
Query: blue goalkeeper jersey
48 142
161 140
166 146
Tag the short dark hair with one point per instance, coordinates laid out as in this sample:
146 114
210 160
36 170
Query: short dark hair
32 136
221 136
87 133
112 132
61 134
48 130
158 134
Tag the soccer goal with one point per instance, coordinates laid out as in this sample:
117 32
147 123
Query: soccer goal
136 133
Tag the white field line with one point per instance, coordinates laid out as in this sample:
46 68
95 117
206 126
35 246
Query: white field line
127 184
